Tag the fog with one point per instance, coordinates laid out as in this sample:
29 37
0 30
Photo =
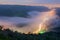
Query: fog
37 22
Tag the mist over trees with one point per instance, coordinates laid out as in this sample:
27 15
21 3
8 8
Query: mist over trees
7 34
21 11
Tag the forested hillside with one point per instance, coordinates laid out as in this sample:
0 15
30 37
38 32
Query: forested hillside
7 34
19 10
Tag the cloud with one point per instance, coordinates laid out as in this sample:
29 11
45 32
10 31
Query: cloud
41 22
29 1
48 1
16 1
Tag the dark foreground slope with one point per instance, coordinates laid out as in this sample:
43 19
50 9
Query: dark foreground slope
10 35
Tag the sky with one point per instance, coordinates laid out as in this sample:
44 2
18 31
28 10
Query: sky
29 1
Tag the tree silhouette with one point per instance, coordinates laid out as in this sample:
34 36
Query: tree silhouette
10 35
1 27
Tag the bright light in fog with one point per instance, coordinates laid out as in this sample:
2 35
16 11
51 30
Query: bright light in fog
36 24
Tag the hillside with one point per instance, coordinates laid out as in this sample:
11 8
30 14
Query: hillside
10 35
19 10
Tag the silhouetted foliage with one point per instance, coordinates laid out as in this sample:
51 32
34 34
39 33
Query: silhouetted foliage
1 27
10 35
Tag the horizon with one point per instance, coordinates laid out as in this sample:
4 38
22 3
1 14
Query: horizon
22 2
50 6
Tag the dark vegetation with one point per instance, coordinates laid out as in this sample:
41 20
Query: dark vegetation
7 34
19 10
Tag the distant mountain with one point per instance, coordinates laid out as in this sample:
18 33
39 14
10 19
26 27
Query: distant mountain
58 11
19 10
